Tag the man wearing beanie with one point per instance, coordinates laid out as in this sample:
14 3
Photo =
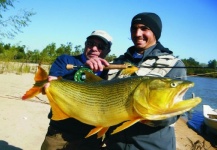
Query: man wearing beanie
150 56
68 134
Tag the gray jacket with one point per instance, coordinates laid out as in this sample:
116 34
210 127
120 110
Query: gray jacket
158 135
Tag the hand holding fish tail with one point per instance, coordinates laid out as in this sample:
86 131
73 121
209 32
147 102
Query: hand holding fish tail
46 85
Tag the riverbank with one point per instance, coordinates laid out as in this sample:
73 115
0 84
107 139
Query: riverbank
23 124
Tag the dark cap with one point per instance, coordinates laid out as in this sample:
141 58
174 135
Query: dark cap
151 20
103 36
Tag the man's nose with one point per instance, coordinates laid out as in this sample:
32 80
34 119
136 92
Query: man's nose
138 32
95 48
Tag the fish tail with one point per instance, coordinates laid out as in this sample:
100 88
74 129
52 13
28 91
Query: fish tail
41 77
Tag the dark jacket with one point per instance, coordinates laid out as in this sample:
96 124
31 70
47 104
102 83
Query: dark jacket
159 136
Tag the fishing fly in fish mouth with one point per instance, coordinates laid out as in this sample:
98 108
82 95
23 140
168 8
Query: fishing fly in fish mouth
127 100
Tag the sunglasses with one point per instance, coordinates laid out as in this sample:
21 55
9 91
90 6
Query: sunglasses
98 45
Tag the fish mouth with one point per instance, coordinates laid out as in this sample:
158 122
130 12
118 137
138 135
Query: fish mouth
180 95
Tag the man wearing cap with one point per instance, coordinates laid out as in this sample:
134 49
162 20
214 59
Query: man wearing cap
69 134
151 57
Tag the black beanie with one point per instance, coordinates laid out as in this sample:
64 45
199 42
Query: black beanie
151 20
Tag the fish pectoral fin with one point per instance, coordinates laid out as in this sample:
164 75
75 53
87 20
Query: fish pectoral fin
32 92
126 124
57 113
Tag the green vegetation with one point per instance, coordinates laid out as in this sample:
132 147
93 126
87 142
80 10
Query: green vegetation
10 54
13 53
200 69
19 59
13 24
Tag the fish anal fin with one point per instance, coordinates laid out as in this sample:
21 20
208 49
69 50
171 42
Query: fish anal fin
99 130
94 131
57 113
129 70
126 124
32 92
102 132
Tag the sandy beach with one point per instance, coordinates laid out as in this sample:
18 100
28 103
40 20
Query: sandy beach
23 124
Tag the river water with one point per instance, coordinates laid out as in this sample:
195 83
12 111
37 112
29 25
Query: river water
205 88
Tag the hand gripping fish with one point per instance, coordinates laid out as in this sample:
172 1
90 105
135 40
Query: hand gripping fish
107 103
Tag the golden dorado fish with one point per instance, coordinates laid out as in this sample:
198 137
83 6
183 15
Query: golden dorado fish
107 103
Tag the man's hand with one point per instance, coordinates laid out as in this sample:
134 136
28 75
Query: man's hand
50 78
97 64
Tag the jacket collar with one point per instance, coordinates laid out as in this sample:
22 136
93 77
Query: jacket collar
152 52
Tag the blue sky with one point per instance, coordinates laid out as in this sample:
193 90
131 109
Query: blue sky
189 26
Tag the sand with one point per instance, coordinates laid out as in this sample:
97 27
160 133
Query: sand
23 124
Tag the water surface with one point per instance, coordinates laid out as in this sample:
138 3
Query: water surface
206 88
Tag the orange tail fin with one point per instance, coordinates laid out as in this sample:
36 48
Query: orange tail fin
41 77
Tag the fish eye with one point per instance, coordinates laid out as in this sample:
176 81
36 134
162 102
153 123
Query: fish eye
173 84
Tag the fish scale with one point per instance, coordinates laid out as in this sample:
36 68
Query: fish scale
107 103
102 103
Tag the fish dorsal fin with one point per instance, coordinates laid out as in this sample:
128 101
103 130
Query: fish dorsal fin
129 70
90 77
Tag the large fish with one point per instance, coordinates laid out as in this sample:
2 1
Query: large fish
107 103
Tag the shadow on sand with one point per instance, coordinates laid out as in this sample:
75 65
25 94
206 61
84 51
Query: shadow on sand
5 146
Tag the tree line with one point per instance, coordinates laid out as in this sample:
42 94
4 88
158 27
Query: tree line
12 25
17 53
47 55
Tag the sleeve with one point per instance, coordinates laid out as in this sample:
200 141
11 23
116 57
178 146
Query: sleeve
58 68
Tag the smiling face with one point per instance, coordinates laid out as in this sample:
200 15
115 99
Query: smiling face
142 37
95 47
